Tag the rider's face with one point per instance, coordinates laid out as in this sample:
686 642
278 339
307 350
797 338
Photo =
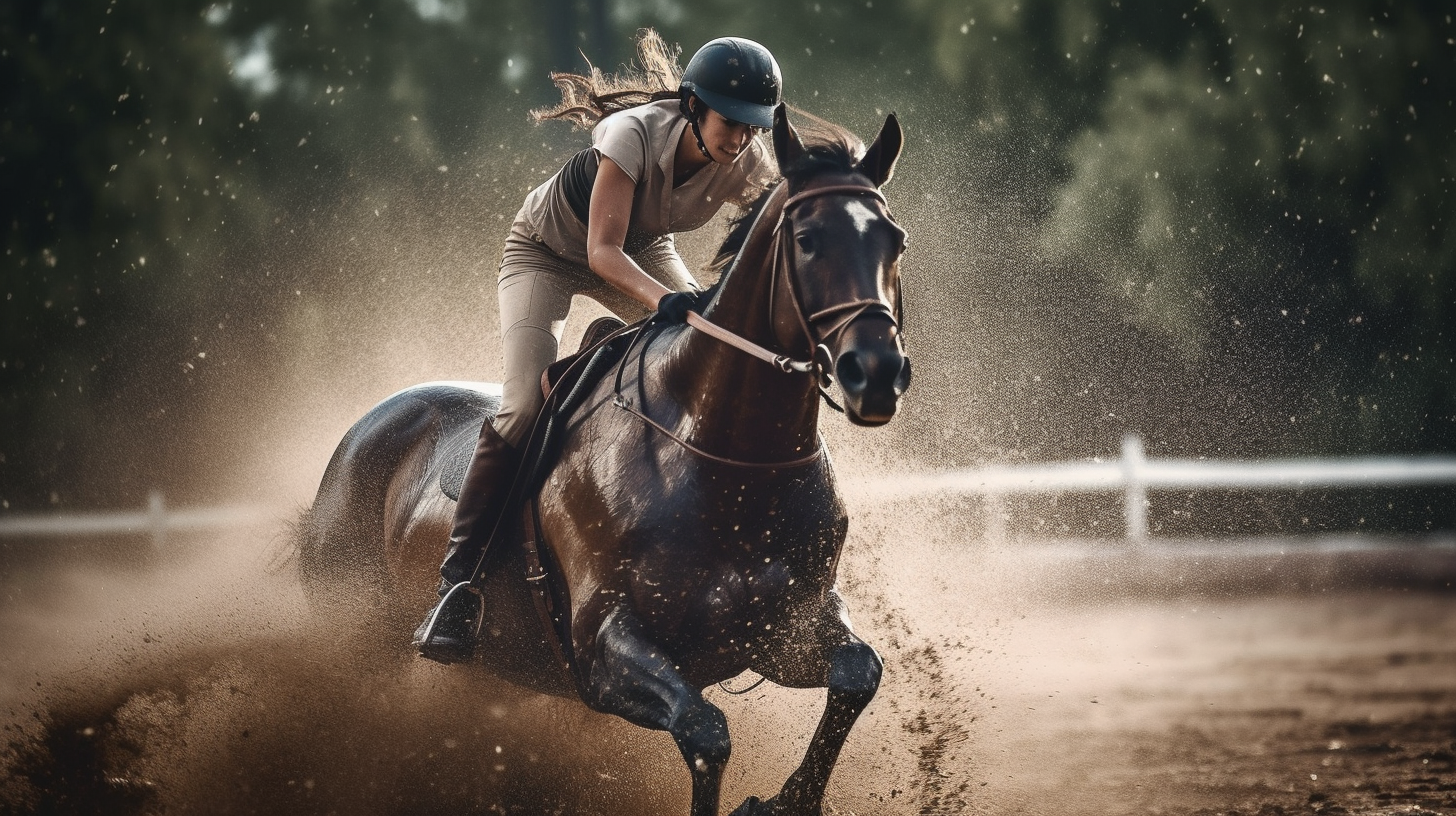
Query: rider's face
725 139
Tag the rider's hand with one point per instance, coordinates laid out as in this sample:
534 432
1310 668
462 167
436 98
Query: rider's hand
674 306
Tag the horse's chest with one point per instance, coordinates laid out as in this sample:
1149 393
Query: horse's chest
731 511
726 577
703 555
711 600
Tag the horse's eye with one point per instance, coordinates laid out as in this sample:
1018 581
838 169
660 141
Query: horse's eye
806 242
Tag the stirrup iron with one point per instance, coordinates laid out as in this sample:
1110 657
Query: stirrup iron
450 633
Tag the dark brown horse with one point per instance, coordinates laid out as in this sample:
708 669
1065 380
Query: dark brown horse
691 522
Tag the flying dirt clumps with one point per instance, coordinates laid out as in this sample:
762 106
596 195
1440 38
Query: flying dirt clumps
292 727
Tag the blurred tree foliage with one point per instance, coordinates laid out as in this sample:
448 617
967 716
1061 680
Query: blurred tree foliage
1188 189
160 162
1282 170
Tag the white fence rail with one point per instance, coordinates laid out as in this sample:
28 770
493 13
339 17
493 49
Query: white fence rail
155 520
1134 475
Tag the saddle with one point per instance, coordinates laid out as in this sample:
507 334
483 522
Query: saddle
564 372
565 384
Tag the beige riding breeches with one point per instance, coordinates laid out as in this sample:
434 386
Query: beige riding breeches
536 286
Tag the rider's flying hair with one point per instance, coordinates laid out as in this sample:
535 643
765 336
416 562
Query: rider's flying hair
587 99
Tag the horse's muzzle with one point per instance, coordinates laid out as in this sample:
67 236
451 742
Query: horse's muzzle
872 371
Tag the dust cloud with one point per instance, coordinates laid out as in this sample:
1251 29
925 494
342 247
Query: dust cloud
199 680
205 684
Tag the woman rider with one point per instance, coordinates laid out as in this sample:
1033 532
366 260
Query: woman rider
669 147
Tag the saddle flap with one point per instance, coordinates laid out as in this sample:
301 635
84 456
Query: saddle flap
461 444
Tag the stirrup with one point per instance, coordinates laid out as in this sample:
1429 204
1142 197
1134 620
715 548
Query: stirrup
449 634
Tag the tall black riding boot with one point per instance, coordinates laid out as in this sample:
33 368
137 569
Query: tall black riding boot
448 632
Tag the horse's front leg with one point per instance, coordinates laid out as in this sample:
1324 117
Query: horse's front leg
829 655
632 678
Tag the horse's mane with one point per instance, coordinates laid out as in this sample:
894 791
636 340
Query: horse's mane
828 148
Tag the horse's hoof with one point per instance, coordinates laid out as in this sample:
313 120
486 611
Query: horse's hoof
750 807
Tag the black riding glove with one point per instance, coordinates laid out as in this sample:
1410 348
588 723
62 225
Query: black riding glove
674 306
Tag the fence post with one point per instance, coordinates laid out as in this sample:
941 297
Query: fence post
157 520
1135 497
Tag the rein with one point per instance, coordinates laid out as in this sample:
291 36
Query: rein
779 361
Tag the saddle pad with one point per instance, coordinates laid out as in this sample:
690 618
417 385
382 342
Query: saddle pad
457 438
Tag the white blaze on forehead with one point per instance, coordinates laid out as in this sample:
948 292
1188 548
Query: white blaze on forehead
863 216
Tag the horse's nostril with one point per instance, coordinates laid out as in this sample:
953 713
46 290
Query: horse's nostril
851 372
902 381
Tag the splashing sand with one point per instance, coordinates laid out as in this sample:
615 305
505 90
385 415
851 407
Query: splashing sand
202 683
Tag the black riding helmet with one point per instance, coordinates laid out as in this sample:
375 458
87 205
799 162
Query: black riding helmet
738 78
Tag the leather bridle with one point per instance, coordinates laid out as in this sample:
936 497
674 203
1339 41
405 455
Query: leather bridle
843 314
847 312
820 362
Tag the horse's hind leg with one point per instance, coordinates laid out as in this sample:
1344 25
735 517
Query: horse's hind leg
633 679
834 657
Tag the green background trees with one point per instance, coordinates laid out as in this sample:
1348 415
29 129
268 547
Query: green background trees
1223 224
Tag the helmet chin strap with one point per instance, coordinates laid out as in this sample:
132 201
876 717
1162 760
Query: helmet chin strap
701 147
698 134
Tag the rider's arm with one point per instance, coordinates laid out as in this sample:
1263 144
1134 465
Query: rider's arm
610 210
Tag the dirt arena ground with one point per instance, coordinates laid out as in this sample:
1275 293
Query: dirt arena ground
1035 678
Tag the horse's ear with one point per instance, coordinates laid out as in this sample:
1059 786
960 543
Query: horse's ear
788 147
879 161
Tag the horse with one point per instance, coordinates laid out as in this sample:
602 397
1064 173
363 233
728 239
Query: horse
690 522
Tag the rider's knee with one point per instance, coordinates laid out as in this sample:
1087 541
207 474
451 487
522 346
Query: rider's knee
855 672
702 736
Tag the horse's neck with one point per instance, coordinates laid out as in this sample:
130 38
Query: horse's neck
735 401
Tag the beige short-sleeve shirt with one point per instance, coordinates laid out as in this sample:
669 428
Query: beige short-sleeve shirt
643 142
